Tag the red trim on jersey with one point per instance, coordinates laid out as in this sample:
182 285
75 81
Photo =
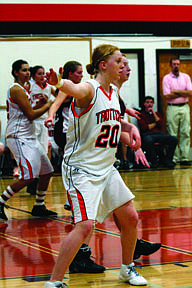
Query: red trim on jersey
81 206
110 93
82 113
41 86
12 100
94 12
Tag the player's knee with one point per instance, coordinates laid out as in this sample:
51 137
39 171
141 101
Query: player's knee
132 220
86 228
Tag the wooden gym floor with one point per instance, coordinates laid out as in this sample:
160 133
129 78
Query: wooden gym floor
29 245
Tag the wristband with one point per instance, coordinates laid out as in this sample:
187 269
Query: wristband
60 81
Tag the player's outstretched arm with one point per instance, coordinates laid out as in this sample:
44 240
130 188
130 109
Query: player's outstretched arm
82 91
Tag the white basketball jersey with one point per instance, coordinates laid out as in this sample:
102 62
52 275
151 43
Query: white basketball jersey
94 132
18 125
36 91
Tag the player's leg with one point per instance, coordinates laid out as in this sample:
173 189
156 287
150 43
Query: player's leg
82 262
142 247
45 173
128 219
23 150
128 230
118 198
11 189
68 250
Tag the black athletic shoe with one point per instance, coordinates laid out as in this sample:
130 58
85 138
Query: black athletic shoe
185 163
3 216
145 248
83 264
42 211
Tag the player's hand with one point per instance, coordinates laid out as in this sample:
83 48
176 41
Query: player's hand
52 77
134 135
133 113
43 98
49 122
140 156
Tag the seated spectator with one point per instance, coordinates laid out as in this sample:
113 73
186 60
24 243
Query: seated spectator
150 125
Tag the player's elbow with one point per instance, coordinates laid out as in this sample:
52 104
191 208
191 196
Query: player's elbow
31 116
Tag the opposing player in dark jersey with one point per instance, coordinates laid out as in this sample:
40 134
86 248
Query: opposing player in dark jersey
142 247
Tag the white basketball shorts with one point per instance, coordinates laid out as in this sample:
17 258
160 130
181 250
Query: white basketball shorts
30 157
93 197
41 133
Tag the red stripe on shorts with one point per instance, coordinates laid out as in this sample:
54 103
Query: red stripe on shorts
21 168
81 206
30 169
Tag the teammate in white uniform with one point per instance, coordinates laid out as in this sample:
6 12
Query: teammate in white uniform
96 189
21 140
73 71
38 89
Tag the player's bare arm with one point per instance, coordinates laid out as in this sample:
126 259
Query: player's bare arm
61 97
133 132
19 97
83 92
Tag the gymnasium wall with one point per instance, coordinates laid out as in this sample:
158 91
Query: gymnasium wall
50 53
54 52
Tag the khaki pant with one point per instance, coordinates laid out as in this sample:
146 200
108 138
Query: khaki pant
178 120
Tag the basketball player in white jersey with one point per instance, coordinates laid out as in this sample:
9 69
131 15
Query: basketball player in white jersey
39 89
59 111
73 71
20 137
95 188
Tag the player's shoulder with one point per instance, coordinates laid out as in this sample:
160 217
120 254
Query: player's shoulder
93 83
15 87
